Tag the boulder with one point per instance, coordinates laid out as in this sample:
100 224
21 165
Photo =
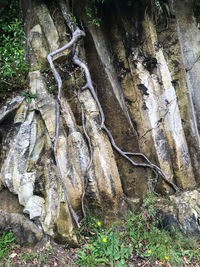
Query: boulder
25 231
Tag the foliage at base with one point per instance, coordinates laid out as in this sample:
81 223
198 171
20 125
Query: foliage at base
6 239
137 235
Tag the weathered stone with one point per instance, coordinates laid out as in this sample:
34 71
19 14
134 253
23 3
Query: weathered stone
21 113
24 230
172 134
26 187
134 180
64 227
38 44
9 202
44 102
105 168
188 35
189 41
105 57
53 193
72 180
48 27
10 106
182 212
34 207
16 161
74 168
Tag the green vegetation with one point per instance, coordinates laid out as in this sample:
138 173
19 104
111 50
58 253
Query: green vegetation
198 56
27 256
6 239
136 236
40 257
13 64
28 96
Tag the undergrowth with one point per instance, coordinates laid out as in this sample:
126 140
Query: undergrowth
136 236
13 64
6 239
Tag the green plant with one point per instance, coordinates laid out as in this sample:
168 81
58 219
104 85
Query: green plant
92 14
6 239
137 234
104 247
28 96
51 88
74 19
198 56
45 255
27 256
13 64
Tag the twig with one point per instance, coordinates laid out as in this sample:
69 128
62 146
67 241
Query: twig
6 82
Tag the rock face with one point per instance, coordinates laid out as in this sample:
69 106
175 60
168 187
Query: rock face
25 231
182 212
147 84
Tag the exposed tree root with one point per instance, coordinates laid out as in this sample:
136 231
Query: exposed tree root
76 35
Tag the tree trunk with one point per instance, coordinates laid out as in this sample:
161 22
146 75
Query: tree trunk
146 82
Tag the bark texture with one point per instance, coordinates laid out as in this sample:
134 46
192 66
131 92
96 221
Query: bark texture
146 81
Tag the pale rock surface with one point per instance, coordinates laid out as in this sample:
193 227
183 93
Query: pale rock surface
10 106
38 43
34 207
44 102
105 168
48 27
26 187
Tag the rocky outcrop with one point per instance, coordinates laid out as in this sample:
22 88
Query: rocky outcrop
181 212
25 231
148 93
